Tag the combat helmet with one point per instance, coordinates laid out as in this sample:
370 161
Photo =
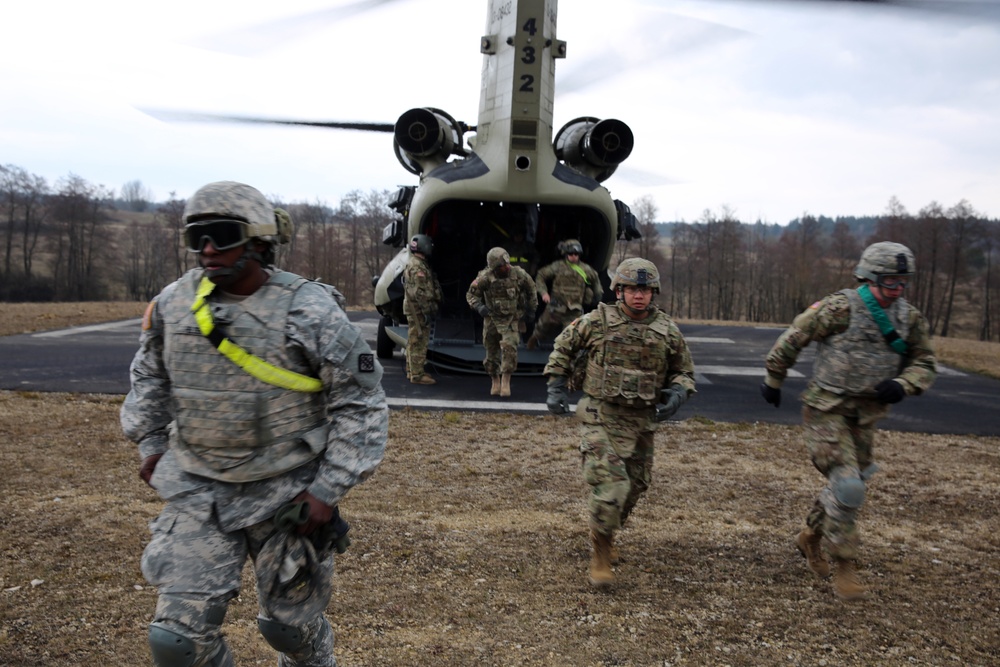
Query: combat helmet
885 259
423 244
229 200
636 271
570 246
497 258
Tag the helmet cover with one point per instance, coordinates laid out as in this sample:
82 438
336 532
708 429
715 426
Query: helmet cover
885 259
636 272
229 200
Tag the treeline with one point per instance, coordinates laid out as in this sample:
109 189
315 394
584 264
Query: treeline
76 241
723 268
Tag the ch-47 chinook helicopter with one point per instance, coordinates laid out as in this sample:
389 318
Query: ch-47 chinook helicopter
474 190
479 183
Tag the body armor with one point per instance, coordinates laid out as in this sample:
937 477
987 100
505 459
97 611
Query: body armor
629 367
854 361
229 425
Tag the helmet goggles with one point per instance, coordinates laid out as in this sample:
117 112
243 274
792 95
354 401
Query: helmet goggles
222 233
892 281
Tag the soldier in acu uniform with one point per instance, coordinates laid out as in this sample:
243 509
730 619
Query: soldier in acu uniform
504 296
575 286
256 406
874 349
421 299
638 373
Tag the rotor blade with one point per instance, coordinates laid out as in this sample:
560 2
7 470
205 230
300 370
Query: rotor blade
984 9
194 117
255 39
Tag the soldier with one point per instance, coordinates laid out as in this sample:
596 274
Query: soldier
503 295
256 406
421 299
575 286
522 252
874 349
635 358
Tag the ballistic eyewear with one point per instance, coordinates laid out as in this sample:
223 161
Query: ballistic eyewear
223 234
892 282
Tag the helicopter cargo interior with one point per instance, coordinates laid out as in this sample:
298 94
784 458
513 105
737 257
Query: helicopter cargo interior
463 232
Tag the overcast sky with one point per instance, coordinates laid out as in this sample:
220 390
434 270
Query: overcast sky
772 110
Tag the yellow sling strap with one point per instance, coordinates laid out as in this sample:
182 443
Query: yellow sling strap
579 269
255 366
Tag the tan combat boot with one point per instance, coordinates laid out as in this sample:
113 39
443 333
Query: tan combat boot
613 554
600 563
495 389
505 384
808 544
423 378
845 581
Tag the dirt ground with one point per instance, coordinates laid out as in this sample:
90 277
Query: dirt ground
470 548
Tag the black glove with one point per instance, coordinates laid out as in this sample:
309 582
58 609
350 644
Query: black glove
770 394
890 391
558 399
673 399
483 311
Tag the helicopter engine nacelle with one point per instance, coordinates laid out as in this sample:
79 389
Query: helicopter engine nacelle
425 138
594 147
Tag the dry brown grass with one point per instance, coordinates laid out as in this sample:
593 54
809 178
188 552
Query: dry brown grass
470 549
974 356
21 318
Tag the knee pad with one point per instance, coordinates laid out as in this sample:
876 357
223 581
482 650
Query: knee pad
848 491
172 649
281 637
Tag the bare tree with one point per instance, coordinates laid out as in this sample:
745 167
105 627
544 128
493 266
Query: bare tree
171 213
364 216
22 202
137 197
144 265
81 241
961 224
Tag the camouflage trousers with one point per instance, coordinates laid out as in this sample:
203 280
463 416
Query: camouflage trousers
840 447
197 567
553 320
500 338
617 459
418 334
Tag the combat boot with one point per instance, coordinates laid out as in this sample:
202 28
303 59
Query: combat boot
505 384
495 389
613 554
423 378
808 544
600 562
532 342
845 581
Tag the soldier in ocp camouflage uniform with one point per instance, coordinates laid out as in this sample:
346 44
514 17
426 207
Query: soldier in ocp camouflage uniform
256 406
421 299
861 368
504 296
575 286
635 359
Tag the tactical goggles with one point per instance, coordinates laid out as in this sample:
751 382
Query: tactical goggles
223 234
892 282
